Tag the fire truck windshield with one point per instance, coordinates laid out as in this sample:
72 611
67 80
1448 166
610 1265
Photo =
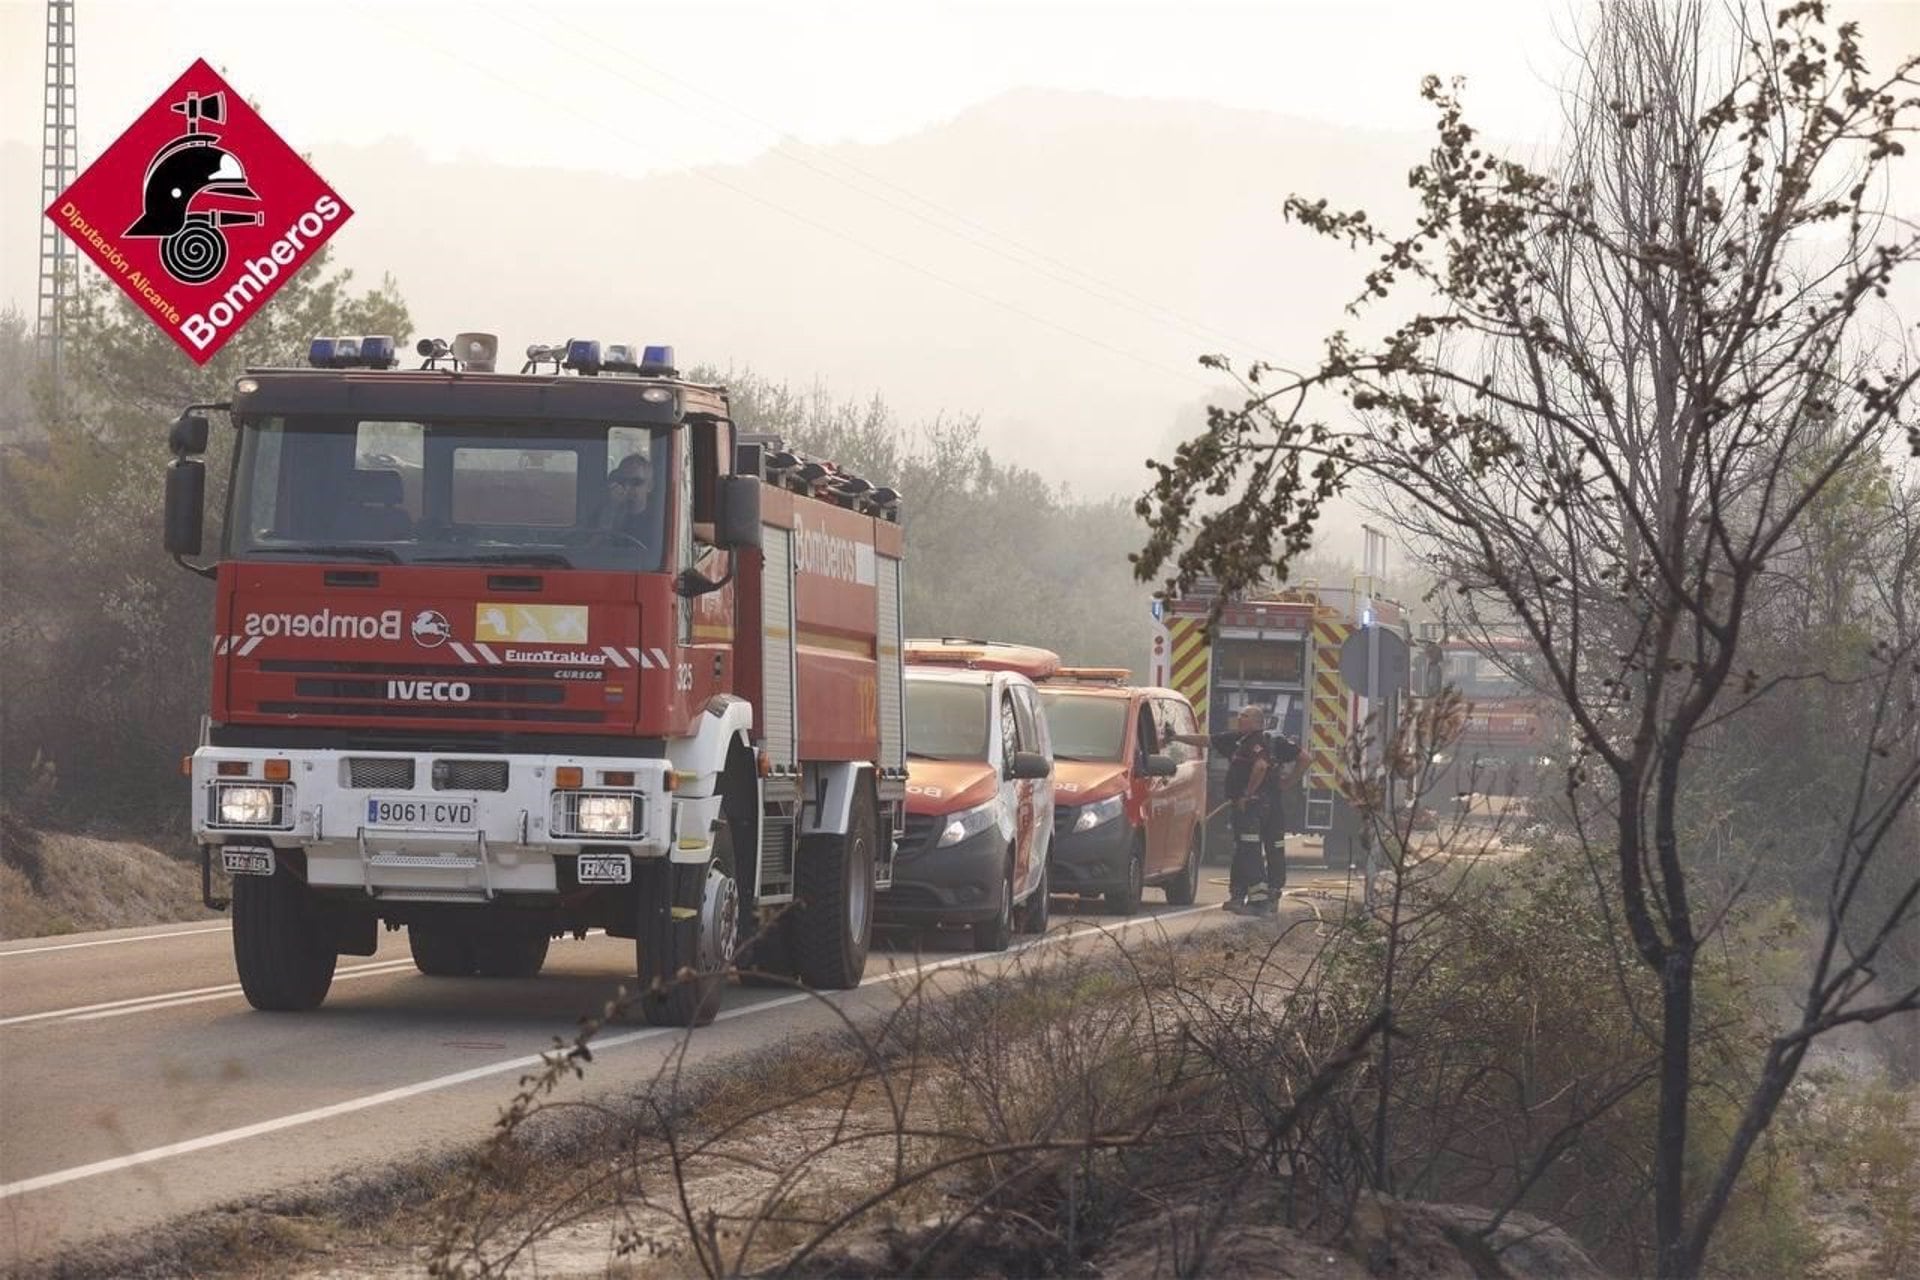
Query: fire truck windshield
1478 676
946 719
590 496
1085 726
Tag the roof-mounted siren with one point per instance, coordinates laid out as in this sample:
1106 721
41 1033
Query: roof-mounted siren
375 351
476 352
540 353
1030 661
583 357
433 352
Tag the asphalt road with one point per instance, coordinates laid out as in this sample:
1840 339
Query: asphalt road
136 1084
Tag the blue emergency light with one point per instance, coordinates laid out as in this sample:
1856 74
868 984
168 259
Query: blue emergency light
583 356
657 362
375 351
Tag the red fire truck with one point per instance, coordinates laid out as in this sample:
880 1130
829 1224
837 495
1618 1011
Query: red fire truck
499 657
1512 733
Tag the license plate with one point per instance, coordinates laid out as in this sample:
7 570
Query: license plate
420 814
246 860
603 868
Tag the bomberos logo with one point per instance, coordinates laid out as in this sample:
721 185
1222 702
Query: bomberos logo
325 624
830 555
199 212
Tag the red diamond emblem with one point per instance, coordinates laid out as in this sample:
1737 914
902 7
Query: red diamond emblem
199 212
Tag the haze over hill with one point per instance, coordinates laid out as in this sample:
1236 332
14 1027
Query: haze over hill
1052 261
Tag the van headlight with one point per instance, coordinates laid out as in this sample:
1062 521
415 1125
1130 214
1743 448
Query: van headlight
1100 811
604 816
967 822
248 806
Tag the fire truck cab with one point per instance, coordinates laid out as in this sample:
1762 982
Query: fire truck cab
976 849
499 657
1132 801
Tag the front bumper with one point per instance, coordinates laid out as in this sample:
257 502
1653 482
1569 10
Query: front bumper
434 826
1092 861
959 884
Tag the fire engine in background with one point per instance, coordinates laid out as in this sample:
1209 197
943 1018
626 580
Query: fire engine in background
1281 651
1512 734
499 657
977 849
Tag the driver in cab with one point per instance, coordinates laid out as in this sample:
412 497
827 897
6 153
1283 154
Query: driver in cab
627 504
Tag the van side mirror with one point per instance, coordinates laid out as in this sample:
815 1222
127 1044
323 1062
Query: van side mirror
1029 765
187 437
1159 765
186 497
736 522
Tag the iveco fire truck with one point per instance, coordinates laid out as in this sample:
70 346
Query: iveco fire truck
503 656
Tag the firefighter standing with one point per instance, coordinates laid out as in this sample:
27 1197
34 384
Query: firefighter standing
1254 788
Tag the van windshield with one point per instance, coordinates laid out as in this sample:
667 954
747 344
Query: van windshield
946 721
591 495
1086 726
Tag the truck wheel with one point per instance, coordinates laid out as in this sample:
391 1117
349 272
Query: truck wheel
997 933
832 924
689 926
285 960
1125 901
442 951
1183 888
1039 908
511 955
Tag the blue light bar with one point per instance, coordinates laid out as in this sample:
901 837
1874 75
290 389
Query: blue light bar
320 353
583 355
658 362
376 351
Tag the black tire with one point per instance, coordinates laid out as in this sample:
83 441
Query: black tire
1185 887
997 934
831 925
1125 901
442 951
284 958
1039 909
510 955
672 992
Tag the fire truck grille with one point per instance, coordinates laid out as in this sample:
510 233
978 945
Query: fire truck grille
434 711
469 775
379 773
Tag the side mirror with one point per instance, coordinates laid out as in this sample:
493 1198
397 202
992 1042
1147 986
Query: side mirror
186 496
188 435
1159 765
1027 765
736 523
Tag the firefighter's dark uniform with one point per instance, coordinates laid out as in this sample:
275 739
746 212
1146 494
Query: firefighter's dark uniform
1259 868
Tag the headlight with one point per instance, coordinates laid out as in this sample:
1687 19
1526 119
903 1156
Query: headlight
1099 811
247 806
605 815
968 822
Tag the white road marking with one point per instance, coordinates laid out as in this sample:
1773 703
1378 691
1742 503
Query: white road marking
114 942
228 993
437 1083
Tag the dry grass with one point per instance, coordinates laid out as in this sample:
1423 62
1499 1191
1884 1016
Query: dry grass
54 882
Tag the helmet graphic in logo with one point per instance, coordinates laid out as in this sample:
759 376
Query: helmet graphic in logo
430 629
192 249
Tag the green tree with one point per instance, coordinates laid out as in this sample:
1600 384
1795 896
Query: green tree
1617 403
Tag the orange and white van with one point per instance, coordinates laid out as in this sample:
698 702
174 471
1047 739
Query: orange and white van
979 823
1132 802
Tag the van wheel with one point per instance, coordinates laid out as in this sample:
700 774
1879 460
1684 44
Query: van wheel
285 960
1185 887
511 955
832 925
996 934
1126 901
1034 918
689 924
442 951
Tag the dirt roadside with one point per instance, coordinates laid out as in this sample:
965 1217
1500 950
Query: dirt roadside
55 882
